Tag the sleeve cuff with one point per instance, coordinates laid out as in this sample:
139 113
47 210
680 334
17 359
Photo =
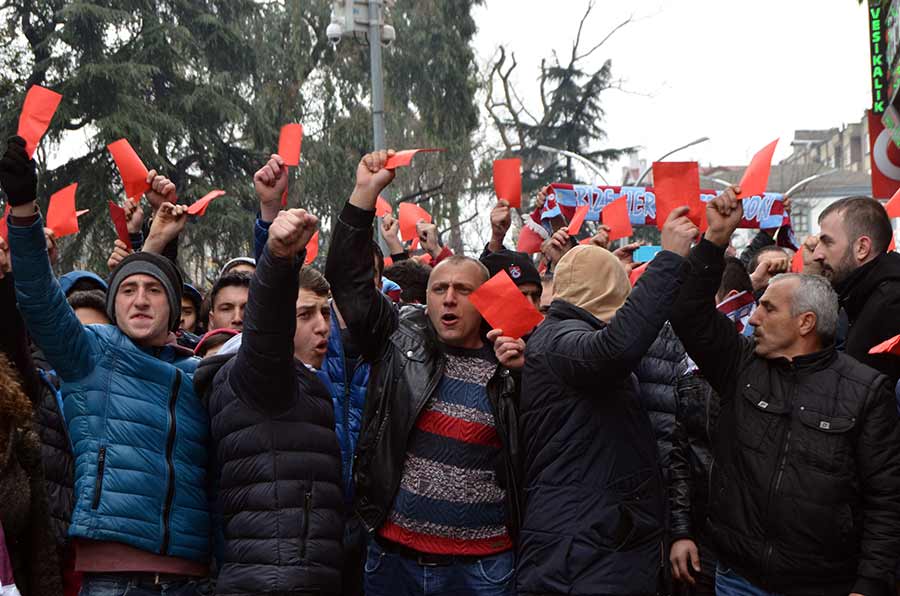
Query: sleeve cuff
355 217
261 223
273 270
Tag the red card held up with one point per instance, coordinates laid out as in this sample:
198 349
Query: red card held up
636 273
796 262
37 112
312 249
577 220
508 181
529 241
504 307
405 157
382 207
677 184
117 214
289 142
410 214
198 207
4 227
131 168
61 215
893 206
889 346
615 216
756 176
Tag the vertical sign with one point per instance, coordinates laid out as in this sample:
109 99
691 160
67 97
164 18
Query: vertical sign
876 46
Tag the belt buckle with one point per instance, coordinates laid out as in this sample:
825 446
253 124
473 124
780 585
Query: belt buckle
424 561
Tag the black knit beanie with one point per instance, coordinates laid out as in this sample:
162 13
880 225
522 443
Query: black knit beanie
158 267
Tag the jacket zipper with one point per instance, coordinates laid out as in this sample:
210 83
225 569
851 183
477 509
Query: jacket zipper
770 548
307 506
98 486
170 465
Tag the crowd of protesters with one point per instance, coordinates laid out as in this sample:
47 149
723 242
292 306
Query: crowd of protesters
363 430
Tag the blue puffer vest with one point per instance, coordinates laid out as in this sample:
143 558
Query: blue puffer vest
348 393
139 432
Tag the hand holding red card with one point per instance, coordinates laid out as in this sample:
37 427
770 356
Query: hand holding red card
198 208
405 157
289 142
504 307
409 216
615 216
312 249
677 184
37 112
890 346
120 221
756 176
508 181
61 215
131 168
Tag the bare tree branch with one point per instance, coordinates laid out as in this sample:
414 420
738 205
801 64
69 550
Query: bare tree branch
604 40
587 12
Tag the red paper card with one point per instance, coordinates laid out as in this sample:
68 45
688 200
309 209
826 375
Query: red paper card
504 307
388 261
796 262
889 346
529 241
117 214
508 181
405 157
4 227
756 176
410 214
312 249
577 220
677 184
636 273
198 207
289 143
615 216
893 206
382 207
131 168
61 215
37 112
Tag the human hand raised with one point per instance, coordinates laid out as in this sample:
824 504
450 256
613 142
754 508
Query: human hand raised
270 182
18 173
162 190
120 251
510 352
290 232
679 232
724 214
167 224
371 179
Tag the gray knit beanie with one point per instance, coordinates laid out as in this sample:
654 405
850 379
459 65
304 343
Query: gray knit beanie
157 267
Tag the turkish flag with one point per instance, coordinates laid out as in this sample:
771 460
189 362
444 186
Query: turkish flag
885 156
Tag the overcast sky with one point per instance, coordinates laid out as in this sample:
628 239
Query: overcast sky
740 72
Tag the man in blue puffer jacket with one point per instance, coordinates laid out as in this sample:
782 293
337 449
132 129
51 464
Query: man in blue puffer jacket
139 432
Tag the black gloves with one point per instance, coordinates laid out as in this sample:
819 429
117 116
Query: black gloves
18 174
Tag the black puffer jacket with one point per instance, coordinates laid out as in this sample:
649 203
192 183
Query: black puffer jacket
595 511
56 451
40 384
277 459
657 375
871 298
407 364
692 440
805 489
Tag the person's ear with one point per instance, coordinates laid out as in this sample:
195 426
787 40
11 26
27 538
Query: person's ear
806 323
862 248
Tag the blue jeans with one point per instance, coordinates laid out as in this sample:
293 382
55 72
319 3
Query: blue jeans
729 583
139 584
390 574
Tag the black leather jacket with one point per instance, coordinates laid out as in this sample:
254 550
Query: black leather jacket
805 488
407 364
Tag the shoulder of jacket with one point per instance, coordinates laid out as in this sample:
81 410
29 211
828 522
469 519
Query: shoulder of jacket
856 372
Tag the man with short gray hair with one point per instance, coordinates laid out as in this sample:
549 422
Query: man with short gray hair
805 486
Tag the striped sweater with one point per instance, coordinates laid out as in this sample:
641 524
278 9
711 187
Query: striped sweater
449 501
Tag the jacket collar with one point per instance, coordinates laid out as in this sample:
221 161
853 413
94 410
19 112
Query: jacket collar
813 362
859 285
560 310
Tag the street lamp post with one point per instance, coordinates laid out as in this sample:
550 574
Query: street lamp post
650 167
377 75
591 165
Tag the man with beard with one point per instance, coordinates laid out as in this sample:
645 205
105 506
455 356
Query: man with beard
852 251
